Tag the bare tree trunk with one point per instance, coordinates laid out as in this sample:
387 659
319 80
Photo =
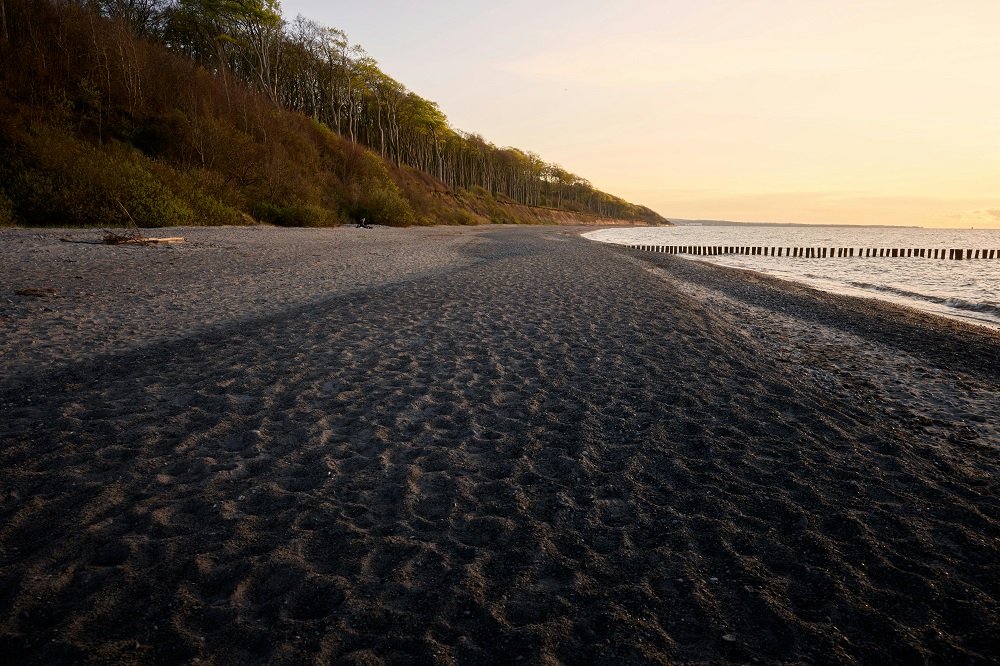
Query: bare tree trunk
220 56
131 75
3 21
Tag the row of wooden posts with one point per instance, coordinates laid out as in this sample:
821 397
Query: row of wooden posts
820 252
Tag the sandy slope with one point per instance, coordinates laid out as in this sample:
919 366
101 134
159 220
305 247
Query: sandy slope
482 445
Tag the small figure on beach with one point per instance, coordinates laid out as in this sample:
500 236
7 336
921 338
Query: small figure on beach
363 224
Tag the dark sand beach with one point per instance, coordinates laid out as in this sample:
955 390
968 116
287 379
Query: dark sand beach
483 445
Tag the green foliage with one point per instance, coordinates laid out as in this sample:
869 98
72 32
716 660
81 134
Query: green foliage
462 217
192 187
131 128
370 191
64 180
382 204
6 210
294 215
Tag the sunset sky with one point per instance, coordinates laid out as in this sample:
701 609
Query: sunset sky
847 111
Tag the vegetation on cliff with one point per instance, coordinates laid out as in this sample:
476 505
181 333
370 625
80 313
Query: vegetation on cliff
220 112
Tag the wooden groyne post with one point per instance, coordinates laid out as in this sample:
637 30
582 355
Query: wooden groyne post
954 254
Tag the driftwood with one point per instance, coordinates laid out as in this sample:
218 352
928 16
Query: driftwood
84 242
132 235
120 239
144 240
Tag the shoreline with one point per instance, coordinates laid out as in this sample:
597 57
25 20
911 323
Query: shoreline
896 283
462 445
874 294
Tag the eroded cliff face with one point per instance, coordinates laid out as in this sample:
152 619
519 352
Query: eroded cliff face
538 215
478 209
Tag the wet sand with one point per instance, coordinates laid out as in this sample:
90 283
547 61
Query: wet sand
481 445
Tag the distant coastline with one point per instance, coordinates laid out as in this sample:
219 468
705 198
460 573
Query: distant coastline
730 223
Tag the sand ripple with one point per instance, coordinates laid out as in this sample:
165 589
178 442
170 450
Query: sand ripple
534 450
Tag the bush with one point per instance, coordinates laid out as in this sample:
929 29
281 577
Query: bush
462 217
6 210
212 212
63 180
148 202
383 204
32 193
198 190
294 215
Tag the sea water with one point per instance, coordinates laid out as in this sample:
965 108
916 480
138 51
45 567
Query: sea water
967 290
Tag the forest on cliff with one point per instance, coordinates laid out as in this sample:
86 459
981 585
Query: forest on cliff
168 112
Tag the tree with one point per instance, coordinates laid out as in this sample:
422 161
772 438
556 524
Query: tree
144 17
4 34
306 67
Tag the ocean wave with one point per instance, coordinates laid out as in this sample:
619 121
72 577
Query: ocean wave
951 302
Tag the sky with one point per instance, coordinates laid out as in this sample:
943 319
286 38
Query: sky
818 111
